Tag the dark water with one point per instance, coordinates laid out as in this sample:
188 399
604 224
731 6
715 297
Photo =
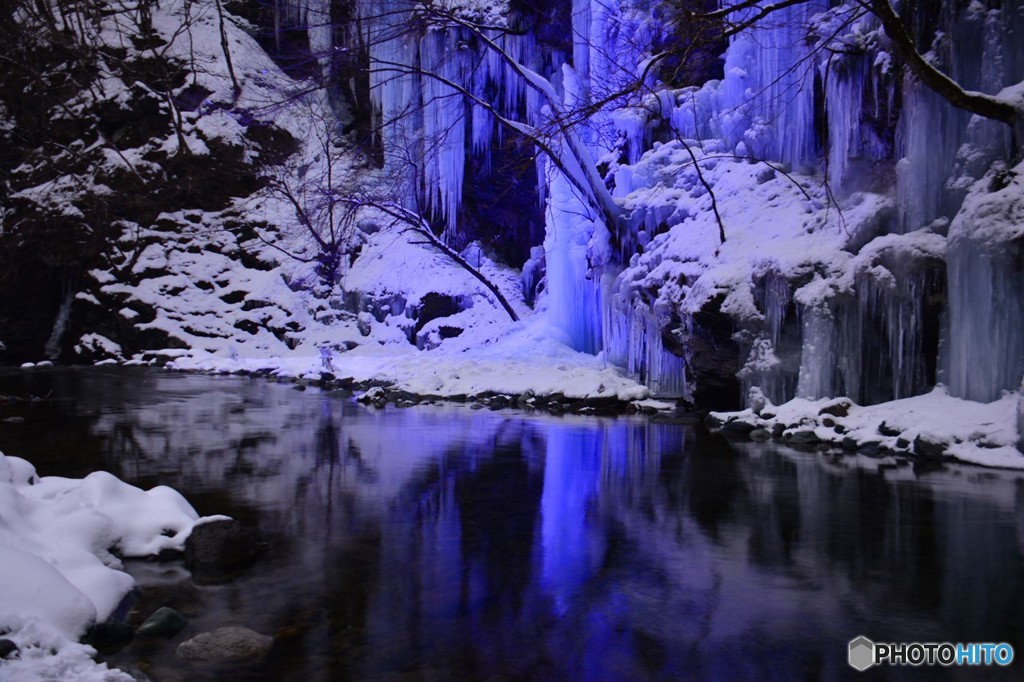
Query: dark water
438 543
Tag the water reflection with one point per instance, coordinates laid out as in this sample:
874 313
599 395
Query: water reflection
442 543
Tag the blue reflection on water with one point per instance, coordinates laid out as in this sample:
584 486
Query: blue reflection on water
571 546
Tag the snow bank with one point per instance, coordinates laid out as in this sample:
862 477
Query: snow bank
929 426
58 575
530 356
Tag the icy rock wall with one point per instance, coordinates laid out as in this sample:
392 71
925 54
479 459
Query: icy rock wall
941 149
612 42
814 89
876 342
946 154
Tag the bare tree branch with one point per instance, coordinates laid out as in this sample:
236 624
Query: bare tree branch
968 100
418 224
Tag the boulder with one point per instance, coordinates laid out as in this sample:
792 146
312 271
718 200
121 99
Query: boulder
928 447
802 437
839 408
232 643
498 402
870 448
760 435
887 430
376 396
7 647
165 622
222 546
109 637
737 427
714 421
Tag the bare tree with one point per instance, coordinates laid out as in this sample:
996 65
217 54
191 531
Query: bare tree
309 187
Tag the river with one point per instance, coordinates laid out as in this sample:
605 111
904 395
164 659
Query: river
439 542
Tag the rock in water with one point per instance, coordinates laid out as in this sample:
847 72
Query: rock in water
760 435
7 647
221 546
165 622
232 643
109 637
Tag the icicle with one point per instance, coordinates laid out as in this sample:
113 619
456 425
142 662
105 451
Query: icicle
53 344
319 28
844 88
633 341
767 96
929 135
444 126
817 361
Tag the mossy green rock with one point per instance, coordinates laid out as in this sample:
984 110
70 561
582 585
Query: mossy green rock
165 622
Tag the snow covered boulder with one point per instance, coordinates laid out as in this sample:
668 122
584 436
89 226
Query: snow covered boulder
59 577
32 588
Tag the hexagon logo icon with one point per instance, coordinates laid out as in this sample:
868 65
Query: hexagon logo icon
862 653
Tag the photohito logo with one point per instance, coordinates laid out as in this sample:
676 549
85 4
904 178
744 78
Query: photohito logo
864 653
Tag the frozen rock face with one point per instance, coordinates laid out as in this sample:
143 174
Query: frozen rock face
848 265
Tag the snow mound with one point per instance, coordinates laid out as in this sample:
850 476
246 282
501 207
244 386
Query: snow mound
58 575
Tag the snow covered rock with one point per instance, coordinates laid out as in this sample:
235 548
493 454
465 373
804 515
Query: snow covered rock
59 575
933 426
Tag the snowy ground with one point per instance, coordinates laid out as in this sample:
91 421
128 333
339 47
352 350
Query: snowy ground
526 359
58 575
926 425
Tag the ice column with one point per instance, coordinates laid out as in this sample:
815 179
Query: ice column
986 318
574 296
817 360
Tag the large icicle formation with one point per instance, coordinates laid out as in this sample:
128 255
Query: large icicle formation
812 107
813 89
